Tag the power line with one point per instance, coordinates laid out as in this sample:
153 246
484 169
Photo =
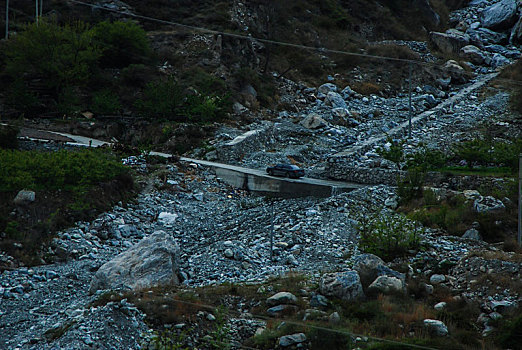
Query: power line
287 44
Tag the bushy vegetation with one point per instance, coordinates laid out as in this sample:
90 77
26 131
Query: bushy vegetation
63 170
488 152
69 186
388 236
8 137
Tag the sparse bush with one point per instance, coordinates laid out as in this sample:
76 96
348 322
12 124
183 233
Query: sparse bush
8 137
410 186
474 151
388 236
394 152
105 102
161 99
122 43
426 159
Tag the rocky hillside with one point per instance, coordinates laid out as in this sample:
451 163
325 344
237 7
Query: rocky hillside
423 255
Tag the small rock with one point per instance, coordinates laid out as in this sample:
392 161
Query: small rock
436 327
289 340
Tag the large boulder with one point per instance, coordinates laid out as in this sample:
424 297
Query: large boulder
450 42
516 33
281 298
370 267
326 88
387 285
313 121
24 197
152 261
343 285
436 327
473 54
455 71
500 15
335 100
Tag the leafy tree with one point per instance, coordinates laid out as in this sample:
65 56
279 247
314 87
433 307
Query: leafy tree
123 43
58 55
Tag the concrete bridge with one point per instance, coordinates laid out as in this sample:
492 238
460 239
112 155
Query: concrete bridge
249 179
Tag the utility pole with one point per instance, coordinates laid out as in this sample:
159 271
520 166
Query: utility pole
6 19
41 7
520 200
272 232
36 12
409 101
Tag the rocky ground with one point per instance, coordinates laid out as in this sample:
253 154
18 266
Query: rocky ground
224 233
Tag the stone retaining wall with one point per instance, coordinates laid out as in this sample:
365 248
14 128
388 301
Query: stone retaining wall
346 172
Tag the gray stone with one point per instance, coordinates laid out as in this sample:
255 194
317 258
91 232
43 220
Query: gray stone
516 33
500 15
472 234
499 61
319 300
472 54
313 121
289 340
343 285
488 204
370 266
280 309
334 318
387 285
333 99
347 92
436 327
450 42
167 218
326 88
281 298
437 279
152 261
440 306
229 253
24 197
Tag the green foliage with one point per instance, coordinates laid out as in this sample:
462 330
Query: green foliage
221 333
394 153
68 103
388 236
58 55
21 98
167 100
8 137
509 333
168 340
64 170
410 186
426 159
105 102
484 152
122 43
161 99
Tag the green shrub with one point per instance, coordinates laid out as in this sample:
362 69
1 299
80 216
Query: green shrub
68 103
426 159
105 102
161 99
21 98
509 333
395 153
62 170
474 151
388 236
122 43
168 100
60 56
8 137
410 186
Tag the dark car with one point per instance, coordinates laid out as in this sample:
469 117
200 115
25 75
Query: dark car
287 170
